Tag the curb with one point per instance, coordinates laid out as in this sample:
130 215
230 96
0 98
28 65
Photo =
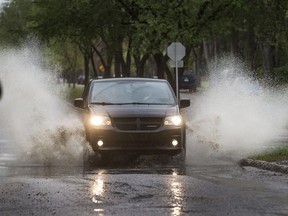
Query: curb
264 165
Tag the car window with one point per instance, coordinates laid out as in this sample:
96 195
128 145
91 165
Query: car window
132 92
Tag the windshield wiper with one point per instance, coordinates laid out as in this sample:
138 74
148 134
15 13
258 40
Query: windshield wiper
140 103
109 103
128 103
103 103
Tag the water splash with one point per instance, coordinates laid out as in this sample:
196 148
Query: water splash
235 116
42 127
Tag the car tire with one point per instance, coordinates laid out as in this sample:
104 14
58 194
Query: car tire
182 157
86 157
90 157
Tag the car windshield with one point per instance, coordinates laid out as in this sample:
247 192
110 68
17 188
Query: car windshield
132 92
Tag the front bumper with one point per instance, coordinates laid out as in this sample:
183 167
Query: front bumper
158 142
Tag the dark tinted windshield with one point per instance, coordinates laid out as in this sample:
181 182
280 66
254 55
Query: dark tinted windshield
137 92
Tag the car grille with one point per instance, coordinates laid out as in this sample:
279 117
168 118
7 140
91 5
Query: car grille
137 124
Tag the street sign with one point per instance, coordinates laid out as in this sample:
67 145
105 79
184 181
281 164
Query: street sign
176 51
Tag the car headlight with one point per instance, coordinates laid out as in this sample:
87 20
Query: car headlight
100 120
173 120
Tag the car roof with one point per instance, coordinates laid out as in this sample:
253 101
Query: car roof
130 79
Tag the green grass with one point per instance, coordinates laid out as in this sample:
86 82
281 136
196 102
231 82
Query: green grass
73 93
275 154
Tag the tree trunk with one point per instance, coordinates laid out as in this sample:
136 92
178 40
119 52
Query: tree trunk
267 62
74 66
136 58
215 49
163 69
170 77
207 52
252 46
107 72
160 66
103 62
198 57
235 49
140 64
127 66
86 68
93 65
117 64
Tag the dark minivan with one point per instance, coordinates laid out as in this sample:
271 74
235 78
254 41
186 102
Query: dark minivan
135 115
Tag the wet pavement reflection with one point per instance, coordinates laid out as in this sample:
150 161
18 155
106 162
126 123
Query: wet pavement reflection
178 194
138 186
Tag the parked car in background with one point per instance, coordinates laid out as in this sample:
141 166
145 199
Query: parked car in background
188 81
81 79
133 115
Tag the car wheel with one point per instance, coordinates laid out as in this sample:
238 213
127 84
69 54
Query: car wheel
179 159
195 88
182 157
90 157
87 157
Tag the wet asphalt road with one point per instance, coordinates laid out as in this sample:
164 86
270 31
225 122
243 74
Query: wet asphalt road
147 186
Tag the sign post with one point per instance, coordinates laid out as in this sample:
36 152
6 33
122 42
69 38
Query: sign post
176 51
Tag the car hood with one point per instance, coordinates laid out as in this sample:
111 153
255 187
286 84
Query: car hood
135 110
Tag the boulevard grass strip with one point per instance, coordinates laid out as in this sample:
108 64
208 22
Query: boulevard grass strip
74 92
273 155
274 160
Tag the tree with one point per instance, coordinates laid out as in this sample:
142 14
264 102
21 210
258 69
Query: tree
159 23
13 22
135 33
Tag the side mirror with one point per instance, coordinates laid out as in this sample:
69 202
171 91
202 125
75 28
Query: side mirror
79 103
184 103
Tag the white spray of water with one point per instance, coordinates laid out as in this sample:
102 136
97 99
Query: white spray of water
235 116
43 129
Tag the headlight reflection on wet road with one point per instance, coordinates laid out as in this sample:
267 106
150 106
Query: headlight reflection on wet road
177 194
97 190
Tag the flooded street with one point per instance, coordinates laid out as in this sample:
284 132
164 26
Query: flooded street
41 154
146 186
94 93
